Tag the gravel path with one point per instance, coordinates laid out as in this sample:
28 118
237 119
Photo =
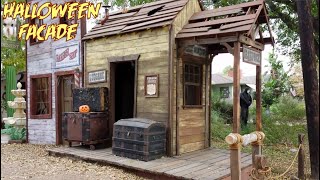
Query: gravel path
26 161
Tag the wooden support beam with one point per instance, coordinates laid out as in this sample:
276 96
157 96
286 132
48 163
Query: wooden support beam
255 19
229 48
235 153
248 41
257 147
207 41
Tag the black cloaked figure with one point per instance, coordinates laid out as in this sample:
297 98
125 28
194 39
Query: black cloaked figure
245 102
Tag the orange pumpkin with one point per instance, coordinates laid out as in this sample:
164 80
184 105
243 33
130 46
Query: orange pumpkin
84 109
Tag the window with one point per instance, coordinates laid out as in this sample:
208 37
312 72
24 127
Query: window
192 84
65 20
224 92
39 23
40 98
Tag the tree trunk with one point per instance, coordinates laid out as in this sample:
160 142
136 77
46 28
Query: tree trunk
310 81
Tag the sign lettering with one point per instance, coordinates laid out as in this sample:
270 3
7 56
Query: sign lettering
67 56
251 56
97 76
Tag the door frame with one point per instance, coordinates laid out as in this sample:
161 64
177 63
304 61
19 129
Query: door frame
57 103
112 61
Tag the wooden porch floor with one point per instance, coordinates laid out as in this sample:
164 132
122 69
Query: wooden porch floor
205 164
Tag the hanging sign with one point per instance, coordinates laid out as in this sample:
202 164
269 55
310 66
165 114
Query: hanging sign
151 85
67 56
251 55
196 51
97 76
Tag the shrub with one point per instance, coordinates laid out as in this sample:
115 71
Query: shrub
221 107
220 130
15 133
288 109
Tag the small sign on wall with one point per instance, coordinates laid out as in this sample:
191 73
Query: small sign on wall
251 55
151 85
97 76
67 56
197 51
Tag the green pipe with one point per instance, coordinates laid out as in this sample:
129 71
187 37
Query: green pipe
11 83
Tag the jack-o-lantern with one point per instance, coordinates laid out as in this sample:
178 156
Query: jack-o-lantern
84 109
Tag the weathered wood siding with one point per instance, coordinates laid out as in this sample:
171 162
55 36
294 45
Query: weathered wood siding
153 47
41 60
190 121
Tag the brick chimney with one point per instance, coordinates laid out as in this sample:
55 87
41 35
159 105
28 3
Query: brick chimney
230 73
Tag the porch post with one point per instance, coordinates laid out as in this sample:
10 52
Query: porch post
256 146
235 150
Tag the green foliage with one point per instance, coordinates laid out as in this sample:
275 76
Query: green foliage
282 132
281 127
13 57
7 129
277 84
227 69
15 133
18 133
222 108
288 109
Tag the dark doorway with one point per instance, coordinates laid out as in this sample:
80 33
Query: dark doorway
124 84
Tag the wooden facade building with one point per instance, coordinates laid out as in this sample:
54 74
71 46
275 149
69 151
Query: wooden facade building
157 58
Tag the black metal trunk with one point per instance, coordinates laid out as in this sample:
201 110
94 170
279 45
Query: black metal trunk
95 98
141 139
88 128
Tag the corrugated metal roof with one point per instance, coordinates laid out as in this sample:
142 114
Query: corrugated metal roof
138 18
240 18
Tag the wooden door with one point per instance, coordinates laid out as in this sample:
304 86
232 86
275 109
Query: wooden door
66 86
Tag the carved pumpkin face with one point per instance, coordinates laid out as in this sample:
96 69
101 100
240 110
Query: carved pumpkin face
84 109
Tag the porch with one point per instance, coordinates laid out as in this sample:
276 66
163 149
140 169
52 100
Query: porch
204 164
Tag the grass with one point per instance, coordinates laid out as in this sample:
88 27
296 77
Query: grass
278 145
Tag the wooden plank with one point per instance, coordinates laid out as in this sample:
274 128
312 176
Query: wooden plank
191 147
160 24
237 24
188 166
220 21
192 138
215 32
191 131
165 165
250 42
201 29
255 19
192 170
242 5
205 15
147 23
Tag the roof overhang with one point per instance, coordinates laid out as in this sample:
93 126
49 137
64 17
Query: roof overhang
242 22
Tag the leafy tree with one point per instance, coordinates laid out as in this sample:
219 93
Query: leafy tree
10 56
277 84
227 69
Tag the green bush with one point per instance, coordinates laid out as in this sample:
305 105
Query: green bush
282 133
15 133
220 130
288 109
222 108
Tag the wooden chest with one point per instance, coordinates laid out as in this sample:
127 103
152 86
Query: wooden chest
141 139
90 128
95 98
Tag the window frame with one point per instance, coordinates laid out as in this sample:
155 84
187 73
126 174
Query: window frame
200 65
33 107
224 87
32 22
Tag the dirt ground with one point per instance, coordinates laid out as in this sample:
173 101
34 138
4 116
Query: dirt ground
26 161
